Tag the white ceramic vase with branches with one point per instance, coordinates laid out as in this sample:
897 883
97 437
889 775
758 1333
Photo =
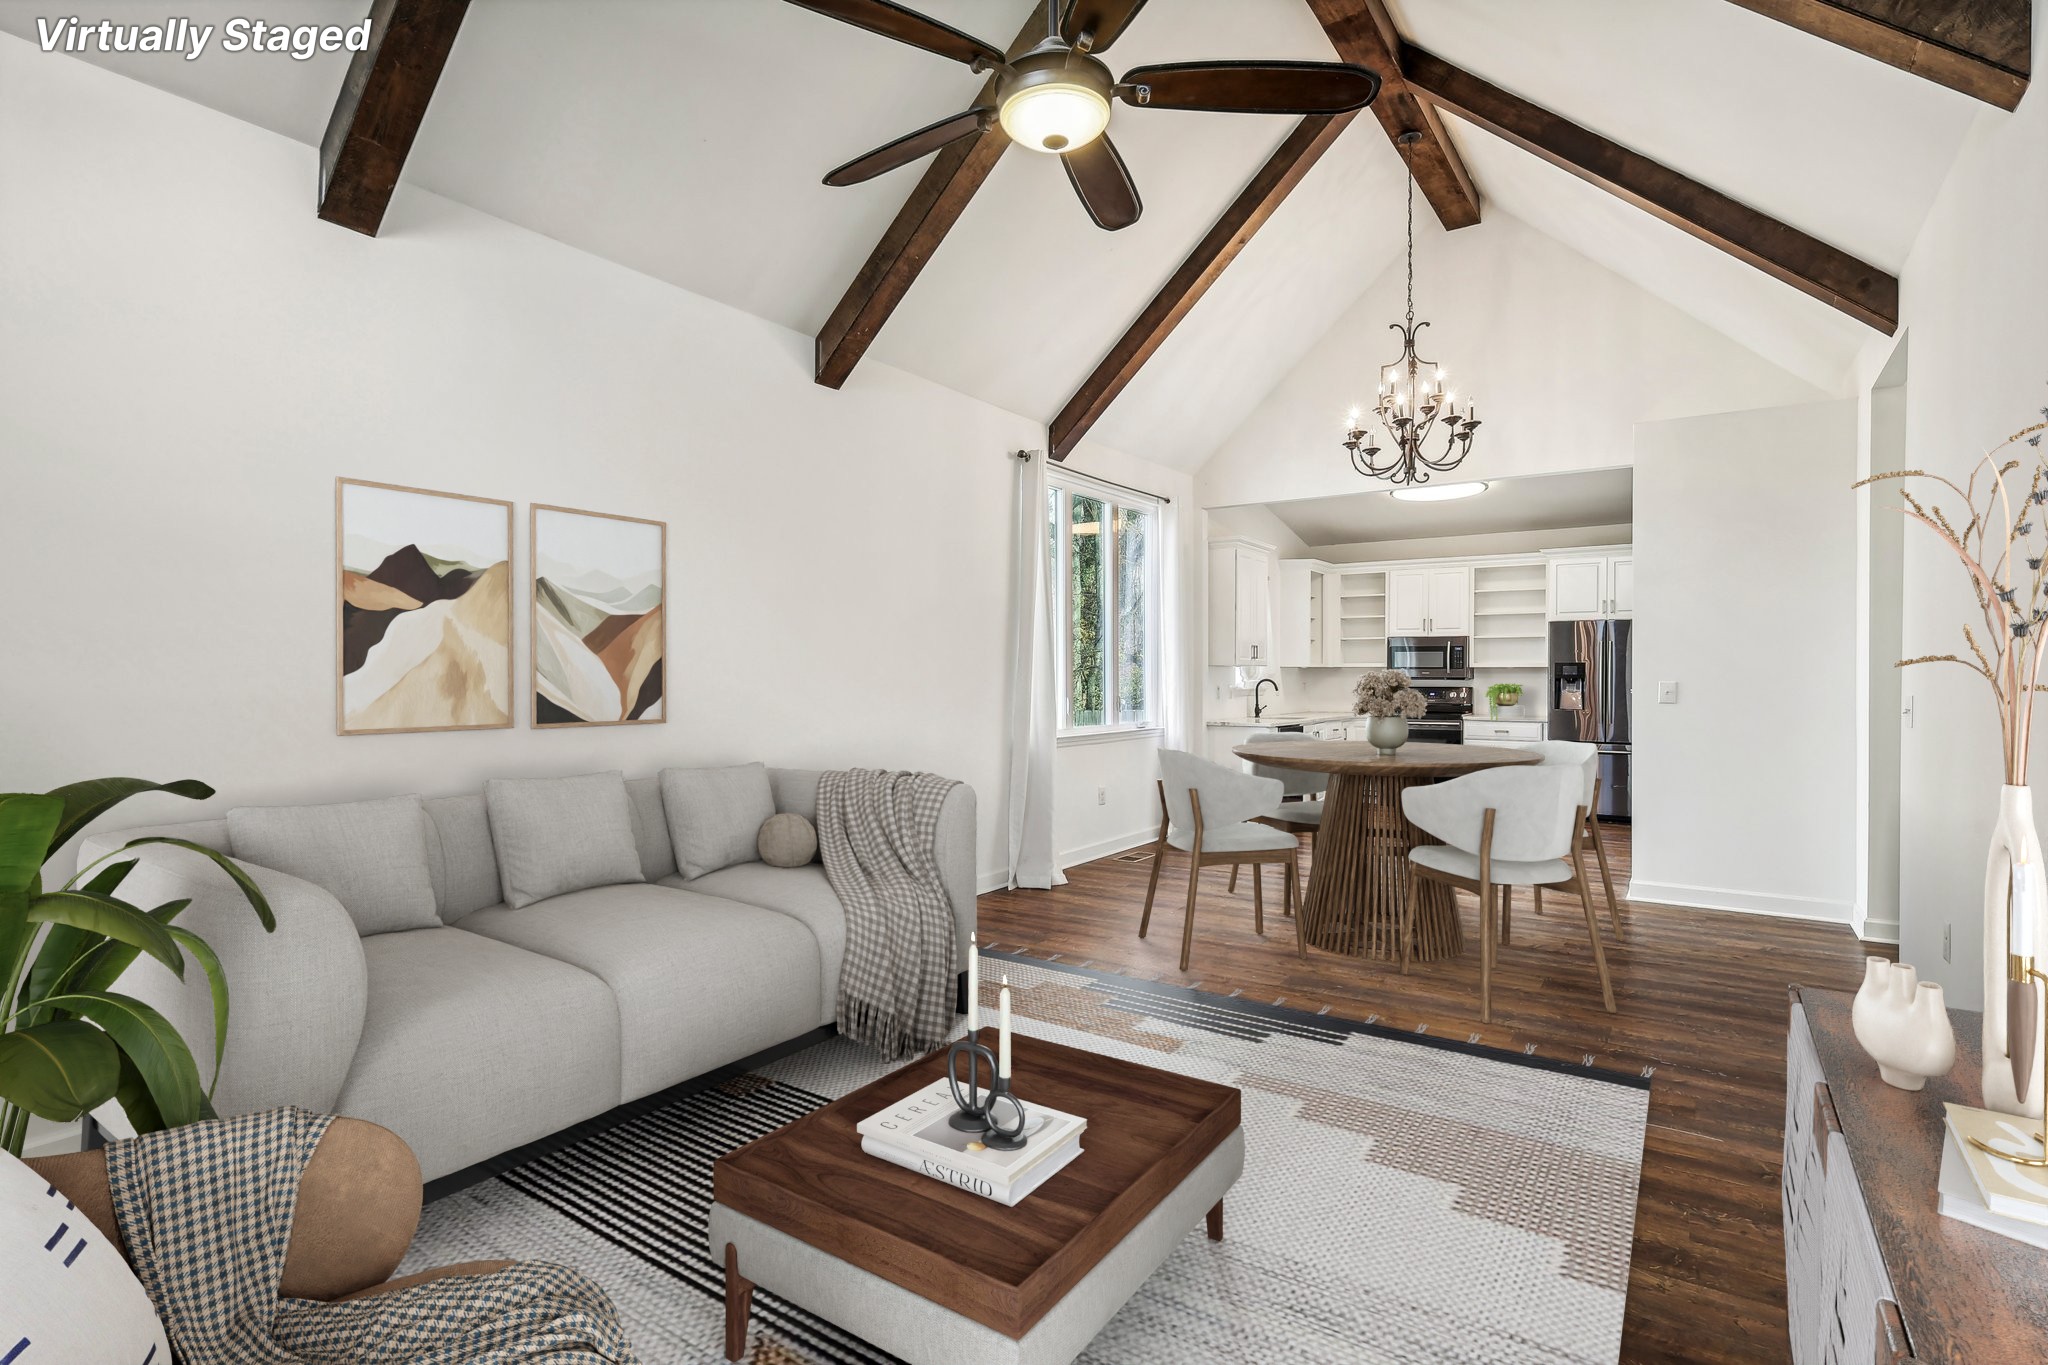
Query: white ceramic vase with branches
2002 543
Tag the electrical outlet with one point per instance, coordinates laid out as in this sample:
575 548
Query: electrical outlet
1908 713
1948 932
1102 796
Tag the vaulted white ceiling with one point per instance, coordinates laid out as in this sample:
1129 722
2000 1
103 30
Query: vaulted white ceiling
686 140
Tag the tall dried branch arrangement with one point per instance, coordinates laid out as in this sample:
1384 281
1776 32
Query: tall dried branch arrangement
2003 545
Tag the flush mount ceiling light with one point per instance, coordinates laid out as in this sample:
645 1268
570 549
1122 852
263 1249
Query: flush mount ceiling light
1440 492
1055 98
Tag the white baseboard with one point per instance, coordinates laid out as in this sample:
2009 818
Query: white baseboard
1877 930
1741 902
1103 848
992 881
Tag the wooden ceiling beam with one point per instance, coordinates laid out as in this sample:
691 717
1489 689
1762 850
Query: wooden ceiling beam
949 183
1273 182
1806 263
1363 32
1983 48
383 98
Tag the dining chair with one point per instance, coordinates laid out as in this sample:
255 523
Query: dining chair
1211 813
1586 757
1301 799
1501 828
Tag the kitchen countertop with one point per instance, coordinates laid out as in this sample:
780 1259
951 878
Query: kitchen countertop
1272 718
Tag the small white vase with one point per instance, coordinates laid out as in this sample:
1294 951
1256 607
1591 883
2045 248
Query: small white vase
1902 1022
1386 733
2013 841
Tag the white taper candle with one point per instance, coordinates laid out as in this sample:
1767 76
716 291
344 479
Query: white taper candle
1003 1032
973 982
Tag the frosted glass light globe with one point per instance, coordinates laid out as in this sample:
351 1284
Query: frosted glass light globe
1055 117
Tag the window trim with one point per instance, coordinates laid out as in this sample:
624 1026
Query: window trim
1063 486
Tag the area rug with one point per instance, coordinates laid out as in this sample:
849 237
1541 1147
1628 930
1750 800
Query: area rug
1407 1200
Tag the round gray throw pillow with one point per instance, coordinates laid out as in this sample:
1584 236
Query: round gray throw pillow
787 840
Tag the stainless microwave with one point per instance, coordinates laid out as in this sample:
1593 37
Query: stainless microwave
1431 656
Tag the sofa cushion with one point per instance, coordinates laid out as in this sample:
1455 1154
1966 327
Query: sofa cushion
69 1297
472 1047
560 834
369 855
803 894
715 815
796 791
461 856
650 830
699 981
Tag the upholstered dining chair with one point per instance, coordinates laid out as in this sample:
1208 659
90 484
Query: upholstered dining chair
1501 828
1301 797
1211 813
1585 757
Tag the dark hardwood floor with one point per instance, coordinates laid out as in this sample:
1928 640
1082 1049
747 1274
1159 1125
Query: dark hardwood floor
1701 1000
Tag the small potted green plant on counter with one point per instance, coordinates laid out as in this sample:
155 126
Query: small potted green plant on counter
1389 703
1502 694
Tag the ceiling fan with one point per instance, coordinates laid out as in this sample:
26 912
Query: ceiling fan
1055 97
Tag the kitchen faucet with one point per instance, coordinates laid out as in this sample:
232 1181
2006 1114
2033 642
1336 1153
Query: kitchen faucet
1258 706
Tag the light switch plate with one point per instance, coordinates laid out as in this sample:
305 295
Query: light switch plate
1667 694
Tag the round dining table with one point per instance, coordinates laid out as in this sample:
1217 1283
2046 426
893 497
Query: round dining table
1353 904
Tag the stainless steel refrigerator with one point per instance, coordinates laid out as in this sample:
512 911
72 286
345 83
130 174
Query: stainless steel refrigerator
1589 700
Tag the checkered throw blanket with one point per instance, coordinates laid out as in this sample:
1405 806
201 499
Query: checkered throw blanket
875 833
206 1211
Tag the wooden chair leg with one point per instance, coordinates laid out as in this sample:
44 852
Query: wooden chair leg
1507 912
1593 933
1409 884
1487 933
1297 909
1187 933
1258 899
739 1305
1233 879
1536 896
1152 887
1606 877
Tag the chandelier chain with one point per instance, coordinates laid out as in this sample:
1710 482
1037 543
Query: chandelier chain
1411 248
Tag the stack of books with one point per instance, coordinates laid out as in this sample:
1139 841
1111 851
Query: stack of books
1979 1189
917 1134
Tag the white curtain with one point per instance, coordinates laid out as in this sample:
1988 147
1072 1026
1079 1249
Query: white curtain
1034 703
1186 607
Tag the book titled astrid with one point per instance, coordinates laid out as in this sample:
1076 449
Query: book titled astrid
916 1133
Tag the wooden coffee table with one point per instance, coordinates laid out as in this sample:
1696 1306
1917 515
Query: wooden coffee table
939 1276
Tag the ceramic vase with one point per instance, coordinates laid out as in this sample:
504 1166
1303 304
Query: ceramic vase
1387 733
2014 844
1902 1022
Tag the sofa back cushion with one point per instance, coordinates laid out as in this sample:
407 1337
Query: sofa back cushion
461 856
715 815
369 855
555 835
650 829
796 791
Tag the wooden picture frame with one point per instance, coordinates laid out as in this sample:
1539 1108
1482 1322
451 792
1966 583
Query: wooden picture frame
425 678
606 620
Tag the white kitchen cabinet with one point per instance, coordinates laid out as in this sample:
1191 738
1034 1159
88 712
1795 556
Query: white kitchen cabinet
1306 611
1430 600
1506 732
1240 603
1592 585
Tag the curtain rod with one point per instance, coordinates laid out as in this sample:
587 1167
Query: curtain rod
1107 483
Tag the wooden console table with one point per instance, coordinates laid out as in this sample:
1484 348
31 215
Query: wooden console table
1873 1272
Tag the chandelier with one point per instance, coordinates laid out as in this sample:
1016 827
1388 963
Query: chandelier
1412 401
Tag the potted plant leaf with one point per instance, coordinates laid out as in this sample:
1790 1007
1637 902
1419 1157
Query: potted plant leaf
69 1042
1502 694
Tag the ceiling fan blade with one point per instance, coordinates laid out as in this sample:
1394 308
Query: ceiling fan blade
892 20
1250 87
1105 187
911 146
1104 19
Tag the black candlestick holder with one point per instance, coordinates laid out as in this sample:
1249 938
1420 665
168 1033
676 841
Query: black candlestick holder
971 1102
1004 1117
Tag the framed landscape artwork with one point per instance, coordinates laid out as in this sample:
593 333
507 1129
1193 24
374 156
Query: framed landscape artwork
600 633
423 617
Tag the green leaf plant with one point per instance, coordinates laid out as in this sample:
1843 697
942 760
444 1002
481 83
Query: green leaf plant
69 1042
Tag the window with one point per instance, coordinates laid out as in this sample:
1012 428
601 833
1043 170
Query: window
1105 588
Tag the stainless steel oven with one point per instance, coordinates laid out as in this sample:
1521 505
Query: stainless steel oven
1443 720
1436 657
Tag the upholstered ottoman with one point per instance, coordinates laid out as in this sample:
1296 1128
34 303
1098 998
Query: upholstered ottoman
939 1276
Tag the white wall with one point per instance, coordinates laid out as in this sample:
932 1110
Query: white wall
1974 296
1563 356
1745 555
188 359
1485 543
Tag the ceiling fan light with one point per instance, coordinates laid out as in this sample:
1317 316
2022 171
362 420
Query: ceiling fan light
1055 116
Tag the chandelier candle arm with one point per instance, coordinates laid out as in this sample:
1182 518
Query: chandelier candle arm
1414 395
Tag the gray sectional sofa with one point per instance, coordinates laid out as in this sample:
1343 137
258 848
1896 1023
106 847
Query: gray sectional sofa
497 1026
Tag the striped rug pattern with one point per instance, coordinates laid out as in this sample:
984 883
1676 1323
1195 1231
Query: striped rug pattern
1407 1199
